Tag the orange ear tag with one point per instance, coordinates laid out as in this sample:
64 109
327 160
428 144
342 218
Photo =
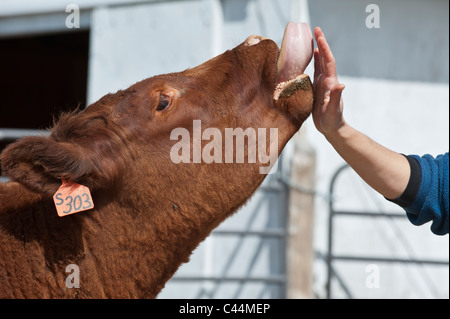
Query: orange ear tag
72 198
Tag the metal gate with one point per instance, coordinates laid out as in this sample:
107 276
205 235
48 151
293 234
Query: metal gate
332 257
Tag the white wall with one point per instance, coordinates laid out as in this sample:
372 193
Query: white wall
131 43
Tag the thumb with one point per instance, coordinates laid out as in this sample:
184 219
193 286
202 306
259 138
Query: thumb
335 96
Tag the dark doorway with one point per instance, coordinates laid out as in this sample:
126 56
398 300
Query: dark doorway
42 76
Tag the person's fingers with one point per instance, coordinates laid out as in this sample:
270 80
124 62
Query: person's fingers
329 64
322 65
317 70
318 33
321 61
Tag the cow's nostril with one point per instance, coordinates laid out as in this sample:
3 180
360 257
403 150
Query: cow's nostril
254 39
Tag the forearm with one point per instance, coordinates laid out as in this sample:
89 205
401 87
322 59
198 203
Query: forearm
385 171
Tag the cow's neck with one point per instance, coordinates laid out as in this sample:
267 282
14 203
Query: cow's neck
170 224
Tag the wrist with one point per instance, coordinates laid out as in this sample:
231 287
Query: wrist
340 135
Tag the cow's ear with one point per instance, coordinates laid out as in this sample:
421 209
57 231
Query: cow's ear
41 162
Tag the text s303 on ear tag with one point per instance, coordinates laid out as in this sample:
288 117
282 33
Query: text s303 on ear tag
72 198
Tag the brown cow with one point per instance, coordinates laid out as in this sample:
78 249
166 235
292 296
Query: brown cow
150 213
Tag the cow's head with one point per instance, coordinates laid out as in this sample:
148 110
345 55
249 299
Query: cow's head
124 139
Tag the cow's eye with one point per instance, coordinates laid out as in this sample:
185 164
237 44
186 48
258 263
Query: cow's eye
163 103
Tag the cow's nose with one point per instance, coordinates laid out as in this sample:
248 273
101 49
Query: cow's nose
254 39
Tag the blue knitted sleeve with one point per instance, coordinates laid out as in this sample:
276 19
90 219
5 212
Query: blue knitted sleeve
432 198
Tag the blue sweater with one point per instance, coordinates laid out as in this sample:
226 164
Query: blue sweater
427 195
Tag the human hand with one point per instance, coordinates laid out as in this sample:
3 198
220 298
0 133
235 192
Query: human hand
328 105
